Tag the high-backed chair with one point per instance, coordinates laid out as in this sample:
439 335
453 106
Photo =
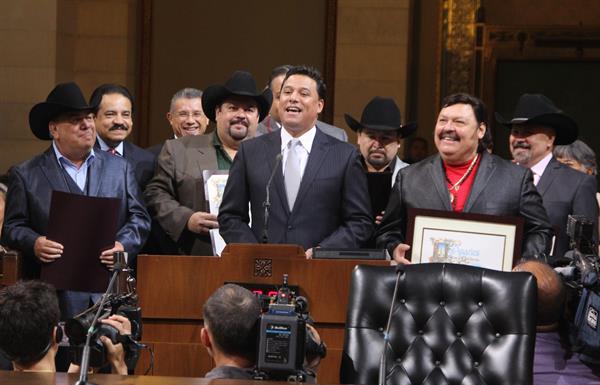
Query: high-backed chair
452 324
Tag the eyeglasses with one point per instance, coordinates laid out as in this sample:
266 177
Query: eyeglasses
185 115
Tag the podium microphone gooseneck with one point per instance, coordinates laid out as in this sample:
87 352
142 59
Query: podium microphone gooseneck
267 202
386 335
118 267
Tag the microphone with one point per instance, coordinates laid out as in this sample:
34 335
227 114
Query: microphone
386 335
267 202
118 267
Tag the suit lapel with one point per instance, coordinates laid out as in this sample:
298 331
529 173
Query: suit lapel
52 171
318 152
128 152
271 153
484 173
438 178
95 173
548 176
204 154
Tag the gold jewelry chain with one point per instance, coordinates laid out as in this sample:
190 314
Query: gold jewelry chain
456 185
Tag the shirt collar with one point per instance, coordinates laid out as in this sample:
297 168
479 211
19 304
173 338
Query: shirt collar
105 147
306 139
61 158
540 166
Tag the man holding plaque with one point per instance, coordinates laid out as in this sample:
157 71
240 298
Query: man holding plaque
175 195
69 165
464 177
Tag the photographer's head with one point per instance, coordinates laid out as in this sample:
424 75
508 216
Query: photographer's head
551 293
29 316
229 333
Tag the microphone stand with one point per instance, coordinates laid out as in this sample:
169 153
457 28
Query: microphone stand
386 335
267 202
85 356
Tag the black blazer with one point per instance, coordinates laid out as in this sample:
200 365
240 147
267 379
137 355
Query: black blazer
567 191
332 208
30 191
500 188
143 162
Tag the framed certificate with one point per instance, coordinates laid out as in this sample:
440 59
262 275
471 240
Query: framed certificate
214 186
489 241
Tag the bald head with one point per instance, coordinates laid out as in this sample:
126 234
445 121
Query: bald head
551 293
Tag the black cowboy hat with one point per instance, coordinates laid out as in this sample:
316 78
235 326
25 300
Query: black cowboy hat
536 108
381 114
65 97
241 83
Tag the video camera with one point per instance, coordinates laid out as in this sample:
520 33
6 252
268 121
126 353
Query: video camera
285 341
583 255
124 302
585 288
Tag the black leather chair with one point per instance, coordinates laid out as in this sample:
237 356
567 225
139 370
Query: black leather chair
452 324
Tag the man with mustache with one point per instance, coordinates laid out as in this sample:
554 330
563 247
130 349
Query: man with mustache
536 127
464 177
318 192
379 134
114 121
175 196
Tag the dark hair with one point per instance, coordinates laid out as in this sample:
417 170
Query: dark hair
107 89
28 314
580 152
312 73
278 71
231 314
479 110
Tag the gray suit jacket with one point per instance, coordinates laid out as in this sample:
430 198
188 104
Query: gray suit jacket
332 208
268 125
567 191
28 202
500 188
177 190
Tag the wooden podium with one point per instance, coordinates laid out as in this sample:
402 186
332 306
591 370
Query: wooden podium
172 290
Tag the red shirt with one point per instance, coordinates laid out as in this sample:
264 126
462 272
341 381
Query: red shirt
453 175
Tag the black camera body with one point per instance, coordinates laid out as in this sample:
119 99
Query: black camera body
283 338
583 255
77 327
583 298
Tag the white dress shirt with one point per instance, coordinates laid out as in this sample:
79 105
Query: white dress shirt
306 141
539 167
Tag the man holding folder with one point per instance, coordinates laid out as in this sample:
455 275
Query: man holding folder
69 165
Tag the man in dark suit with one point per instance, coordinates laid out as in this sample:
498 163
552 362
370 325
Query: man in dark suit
175 195
318 193
463 177
114 122
536 127
273 122
70 165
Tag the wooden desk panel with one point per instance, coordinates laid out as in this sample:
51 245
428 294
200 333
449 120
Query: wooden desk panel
172 290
